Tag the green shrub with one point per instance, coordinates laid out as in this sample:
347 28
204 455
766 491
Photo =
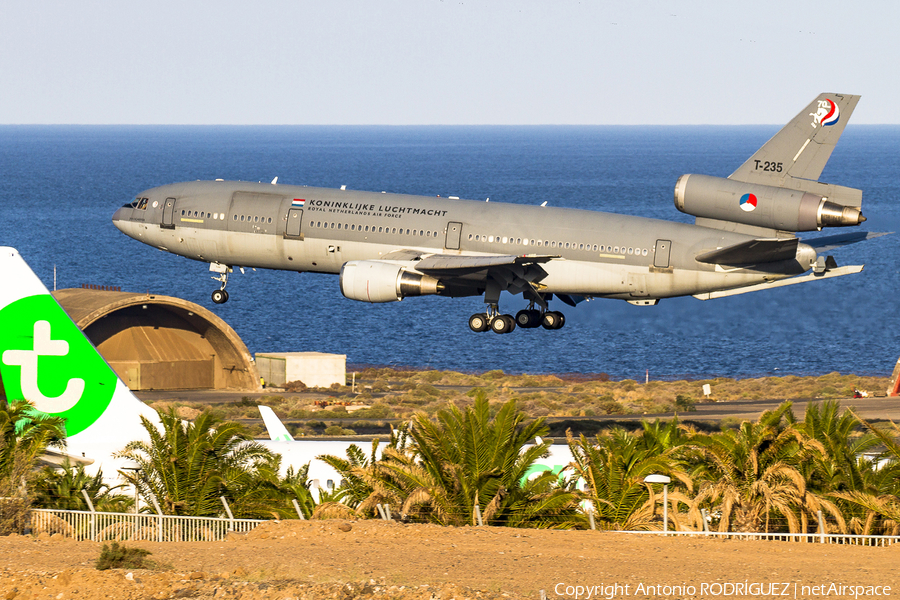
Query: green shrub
115 556
684 403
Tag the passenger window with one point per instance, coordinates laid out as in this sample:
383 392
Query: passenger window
394 230
332 225
182 213
407 232
242 217
270 219
234 217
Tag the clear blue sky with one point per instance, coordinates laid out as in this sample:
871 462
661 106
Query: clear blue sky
443 62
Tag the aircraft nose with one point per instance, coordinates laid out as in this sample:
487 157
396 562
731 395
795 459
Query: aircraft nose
121 216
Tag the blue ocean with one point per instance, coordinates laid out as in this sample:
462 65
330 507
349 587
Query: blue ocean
61 184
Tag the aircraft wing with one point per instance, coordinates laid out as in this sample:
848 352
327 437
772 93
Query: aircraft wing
756 251
514 274
448 264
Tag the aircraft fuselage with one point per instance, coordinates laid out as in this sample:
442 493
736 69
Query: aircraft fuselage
302 228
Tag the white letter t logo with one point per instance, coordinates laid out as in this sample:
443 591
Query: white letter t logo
28 360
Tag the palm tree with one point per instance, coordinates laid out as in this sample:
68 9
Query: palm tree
186 466
613 467
463 460
879 499
752 473
61 488
25 434
841 467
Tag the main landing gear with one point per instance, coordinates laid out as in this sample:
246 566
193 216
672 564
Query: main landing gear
528 318
220 296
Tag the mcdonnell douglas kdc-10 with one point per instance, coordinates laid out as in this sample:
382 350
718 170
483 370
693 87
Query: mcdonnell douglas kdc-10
387 247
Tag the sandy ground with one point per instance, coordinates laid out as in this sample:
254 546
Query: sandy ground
374 559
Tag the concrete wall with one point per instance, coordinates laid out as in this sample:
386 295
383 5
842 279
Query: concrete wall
315 369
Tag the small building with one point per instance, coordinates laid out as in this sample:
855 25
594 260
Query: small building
315 369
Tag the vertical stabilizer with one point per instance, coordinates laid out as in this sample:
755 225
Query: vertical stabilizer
47 360
277 431
802 148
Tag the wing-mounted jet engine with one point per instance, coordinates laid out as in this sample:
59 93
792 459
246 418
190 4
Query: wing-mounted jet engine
380 281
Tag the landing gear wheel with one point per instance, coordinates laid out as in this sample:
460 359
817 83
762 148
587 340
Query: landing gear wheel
553 319
503 324
528 319
479 322
220 296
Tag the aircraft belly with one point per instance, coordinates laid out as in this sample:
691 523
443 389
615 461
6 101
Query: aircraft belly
633 281
589 279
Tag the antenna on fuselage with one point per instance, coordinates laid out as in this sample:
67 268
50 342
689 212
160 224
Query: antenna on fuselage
275 181
544 203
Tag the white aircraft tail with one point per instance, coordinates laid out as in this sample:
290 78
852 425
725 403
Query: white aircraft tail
47 360
277 431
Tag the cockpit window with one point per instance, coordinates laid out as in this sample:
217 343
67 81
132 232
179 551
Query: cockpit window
138 204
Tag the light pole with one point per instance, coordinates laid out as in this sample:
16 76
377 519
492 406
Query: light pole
663 479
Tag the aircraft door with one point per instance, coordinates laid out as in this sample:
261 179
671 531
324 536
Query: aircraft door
168 218
661 256
294 220
454 232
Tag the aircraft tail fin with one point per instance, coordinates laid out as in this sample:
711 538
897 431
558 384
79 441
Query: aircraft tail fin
47 360
800 150
277 431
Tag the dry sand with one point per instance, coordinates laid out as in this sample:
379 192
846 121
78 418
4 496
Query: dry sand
374 559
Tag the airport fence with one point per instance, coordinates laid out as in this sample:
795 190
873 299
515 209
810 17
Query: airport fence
103 526
808 538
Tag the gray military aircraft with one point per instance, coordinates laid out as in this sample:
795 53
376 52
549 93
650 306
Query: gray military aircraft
387 247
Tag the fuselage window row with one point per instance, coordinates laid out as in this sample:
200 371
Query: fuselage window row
367 229
554 244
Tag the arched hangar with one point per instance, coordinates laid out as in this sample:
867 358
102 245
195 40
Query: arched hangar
161 343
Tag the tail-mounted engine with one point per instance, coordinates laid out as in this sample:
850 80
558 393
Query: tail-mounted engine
377 281
760 205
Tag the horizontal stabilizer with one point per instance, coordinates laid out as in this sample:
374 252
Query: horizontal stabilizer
837 272
830 242
752 252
